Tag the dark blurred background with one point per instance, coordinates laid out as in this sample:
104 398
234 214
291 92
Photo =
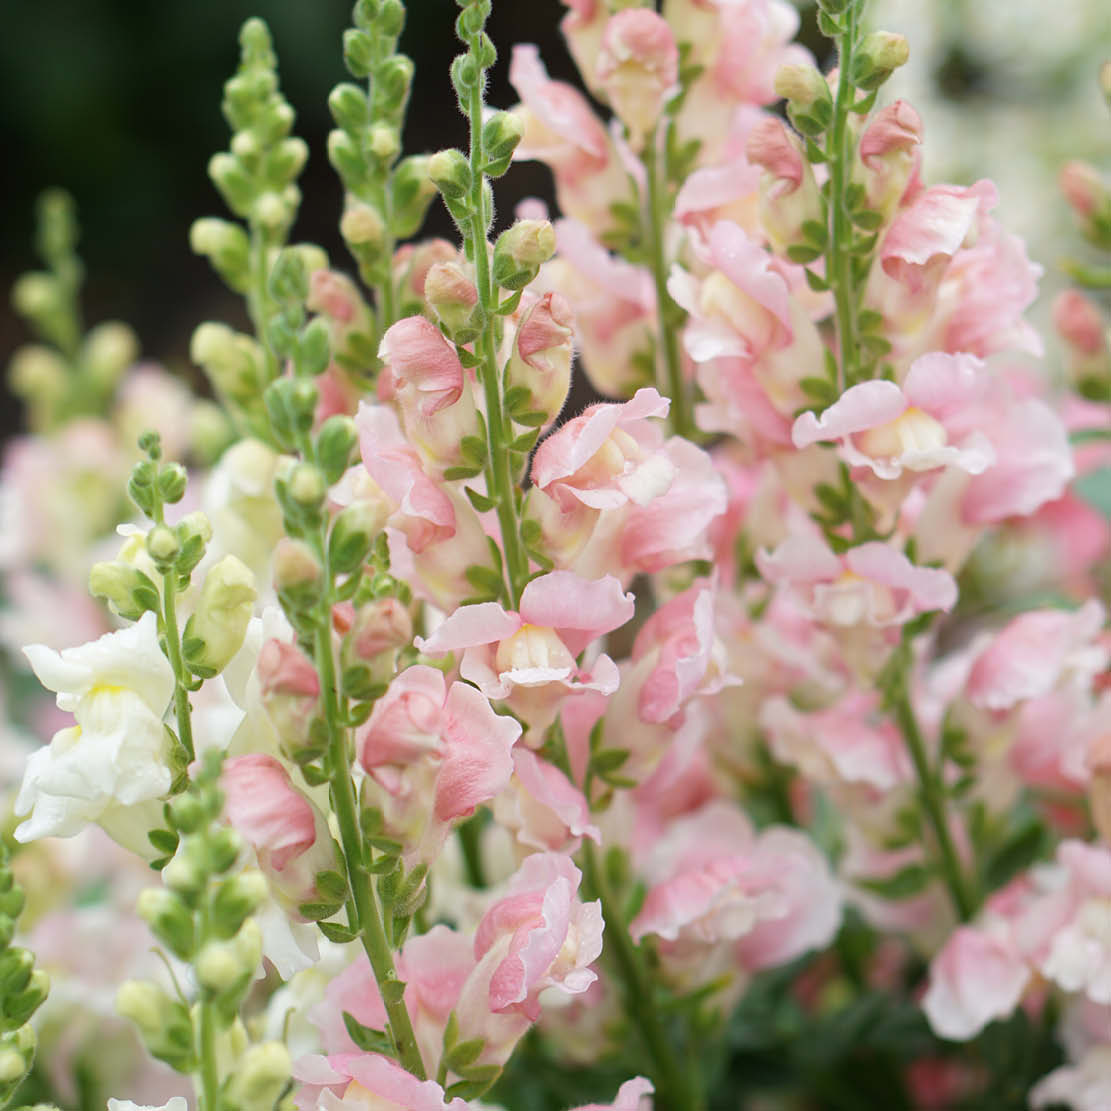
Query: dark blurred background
118 101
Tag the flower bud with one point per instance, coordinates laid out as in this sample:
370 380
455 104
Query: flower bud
170 920
34 295
520 252
354 532
298 575
334 443
880 53
18 1007
349 108
1090 199
637 68
450 172
233 182
384 142
128 592
236 899
16 966
232 361
379 626
1080 324
261 1077
362 226
789 196
426 369
500 135
809 101
220 621
412 192
163 546
143 1003
542 351
306 486
888 154
290 690
40 376
224 966
453 298
108 351
225 245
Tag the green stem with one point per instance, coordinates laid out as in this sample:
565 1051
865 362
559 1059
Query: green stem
932 795
368 919
260 307
669 363
676 1083
499 477
206 1038
177 664
840 257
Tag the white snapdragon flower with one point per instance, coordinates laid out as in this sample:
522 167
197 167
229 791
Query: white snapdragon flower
111 766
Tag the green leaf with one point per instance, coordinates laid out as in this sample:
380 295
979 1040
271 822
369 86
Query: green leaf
473 449
454 474
164 840
609 760
799 252
484 578
333 931
332 885
481 502
366 1038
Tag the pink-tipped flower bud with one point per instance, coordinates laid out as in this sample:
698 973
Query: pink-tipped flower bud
878 56
412 262
542 351
520 252
1082 187
380 626
889 155
297 572
290 690
362 227
637 67
426 370
1079 323
333 295
453 298
789 195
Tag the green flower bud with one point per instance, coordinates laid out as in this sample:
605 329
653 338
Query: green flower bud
108 351
347 158
13 1067
393 81
39 375
233 182
285 162
500 135
143 1003
36 294
236 899
391 17
450 172
16 966
163 546
358 52
298 575
353 534
233 362
362 226
261 1077
452 296
217 628
877 57
349 107
412 193
307 486
20 1006
271 210
171 483
183 875
219 967
188 813
334 444
128 592
520 251
809 101
170 920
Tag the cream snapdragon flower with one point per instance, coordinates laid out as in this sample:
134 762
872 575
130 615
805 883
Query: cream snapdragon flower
112 766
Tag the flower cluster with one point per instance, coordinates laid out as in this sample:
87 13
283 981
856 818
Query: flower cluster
473 738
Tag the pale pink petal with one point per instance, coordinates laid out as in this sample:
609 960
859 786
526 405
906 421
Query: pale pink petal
470 626
578 609
857 409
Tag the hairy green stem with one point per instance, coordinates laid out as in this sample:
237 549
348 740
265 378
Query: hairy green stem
206 1039
676 1083
177 664
669 364
368 917
840 258
932 796
501 486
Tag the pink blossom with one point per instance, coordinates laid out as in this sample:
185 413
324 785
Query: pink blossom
287 832
357 1079
543 808
422 510
562 130
889 154
637 67
631 1096
1082 187
1080 323
420 720
1028 657
529 656
872 584
978 976
423 361
290 689
929 422
788 193
541 361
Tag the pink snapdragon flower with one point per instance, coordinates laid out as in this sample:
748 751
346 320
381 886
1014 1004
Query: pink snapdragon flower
288 833
423 363
538 934
543 808
438 751
872 584
933 420
637 68
562 130
528 657
889 156
290 690
356 1081
788 192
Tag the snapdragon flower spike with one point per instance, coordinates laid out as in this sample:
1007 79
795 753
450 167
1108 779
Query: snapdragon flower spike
933 420
528 657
